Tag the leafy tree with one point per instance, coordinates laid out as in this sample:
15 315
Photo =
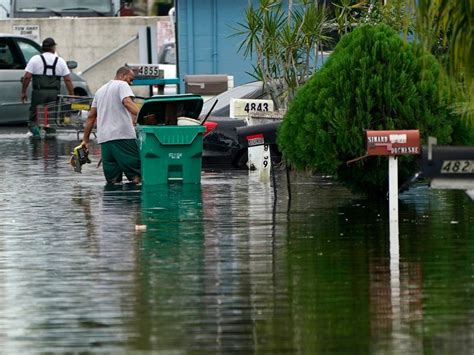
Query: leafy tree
398 14
373 80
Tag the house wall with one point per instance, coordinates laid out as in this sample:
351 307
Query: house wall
88 39
206 44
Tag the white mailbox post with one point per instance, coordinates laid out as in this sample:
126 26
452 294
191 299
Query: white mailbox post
258 155
393 144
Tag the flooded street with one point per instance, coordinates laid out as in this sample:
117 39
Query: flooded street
224 267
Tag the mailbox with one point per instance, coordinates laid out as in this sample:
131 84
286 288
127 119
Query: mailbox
260 134
206 84
402 142
448 162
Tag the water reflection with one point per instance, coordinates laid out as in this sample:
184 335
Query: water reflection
223 266
168 287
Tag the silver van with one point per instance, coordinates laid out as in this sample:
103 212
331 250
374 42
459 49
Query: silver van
15 52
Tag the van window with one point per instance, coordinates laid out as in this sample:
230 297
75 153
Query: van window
6 56
63 7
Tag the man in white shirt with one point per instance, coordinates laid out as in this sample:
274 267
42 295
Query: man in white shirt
115 113
46 71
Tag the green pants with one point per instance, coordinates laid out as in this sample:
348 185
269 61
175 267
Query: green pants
120 157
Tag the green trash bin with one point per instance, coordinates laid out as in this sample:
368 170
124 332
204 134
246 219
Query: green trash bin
168 151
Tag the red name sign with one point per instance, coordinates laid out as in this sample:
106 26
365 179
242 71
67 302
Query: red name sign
405 142
255 139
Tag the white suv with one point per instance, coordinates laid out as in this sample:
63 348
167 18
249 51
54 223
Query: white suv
167 63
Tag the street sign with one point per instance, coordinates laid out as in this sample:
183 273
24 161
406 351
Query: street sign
30 31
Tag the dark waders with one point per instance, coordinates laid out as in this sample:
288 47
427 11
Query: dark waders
46 89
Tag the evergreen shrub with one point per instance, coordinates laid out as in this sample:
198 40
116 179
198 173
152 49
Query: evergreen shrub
373 80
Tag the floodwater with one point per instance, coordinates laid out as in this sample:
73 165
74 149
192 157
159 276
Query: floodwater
224 267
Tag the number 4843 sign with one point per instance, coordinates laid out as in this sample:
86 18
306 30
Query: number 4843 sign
240 108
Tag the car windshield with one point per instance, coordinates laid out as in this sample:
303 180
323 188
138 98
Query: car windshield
251 90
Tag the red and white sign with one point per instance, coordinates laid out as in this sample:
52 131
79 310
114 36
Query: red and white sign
255 139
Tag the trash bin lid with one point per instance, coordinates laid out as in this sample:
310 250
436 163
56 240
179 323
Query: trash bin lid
168 108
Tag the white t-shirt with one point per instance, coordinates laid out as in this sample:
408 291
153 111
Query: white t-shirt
35 65
113 119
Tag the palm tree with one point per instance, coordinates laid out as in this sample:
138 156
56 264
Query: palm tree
452 24
284 42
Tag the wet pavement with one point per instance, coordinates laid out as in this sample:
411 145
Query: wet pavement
223 266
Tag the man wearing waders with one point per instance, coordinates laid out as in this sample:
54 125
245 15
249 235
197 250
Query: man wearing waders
46 71
115 114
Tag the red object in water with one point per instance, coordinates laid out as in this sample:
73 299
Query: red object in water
45 115
210 126
42 111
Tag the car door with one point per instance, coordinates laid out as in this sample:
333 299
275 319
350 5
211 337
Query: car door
12 110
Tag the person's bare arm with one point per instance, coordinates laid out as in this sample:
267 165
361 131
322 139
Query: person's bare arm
24 86
68 82
90 122
131 107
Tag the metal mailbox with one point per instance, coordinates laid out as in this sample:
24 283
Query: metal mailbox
400 142
261 134
448 162
211 84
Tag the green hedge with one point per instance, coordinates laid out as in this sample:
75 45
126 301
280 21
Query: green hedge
373 80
